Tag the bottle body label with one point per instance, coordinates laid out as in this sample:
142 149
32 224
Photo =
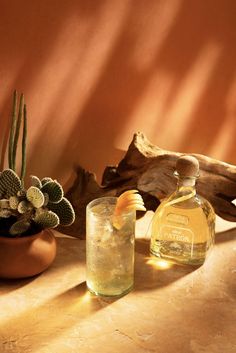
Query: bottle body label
174 233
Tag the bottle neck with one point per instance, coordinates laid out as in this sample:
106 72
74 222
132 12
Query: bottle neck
186 183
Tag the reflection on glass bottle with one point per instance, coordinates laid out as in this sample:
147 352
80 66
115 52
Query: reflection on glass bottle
183 226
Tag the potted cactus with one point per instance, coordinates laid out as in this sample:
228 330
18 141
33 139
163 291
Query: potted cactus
27 246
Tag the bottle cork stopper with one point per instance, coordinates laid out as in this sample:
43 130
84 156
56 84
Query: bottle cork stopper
187 166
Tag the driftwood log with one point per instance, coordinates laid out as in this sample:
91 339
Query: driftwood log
149 169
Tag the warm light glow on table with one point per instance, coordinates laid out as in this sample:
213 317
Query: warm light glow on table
159 264
54 312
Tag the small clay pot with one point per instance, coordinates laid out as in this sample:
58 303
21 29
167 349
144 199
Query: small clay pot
26 256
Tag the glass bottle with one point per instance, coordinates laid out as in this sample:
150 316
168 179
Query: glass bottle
183 225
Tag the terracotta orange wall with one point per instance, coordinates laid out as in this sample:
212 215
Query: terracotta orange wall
94 72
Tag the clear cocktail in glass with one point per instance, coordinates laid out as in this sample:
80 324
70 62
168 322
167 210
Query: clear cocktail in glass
109 248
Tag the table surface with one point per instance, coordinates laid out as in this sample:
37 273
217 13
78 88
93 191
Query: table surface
172 309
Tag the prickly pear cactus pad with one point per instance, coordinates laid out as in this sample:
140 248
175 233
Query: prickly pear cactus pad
35 196
24 206
64 210
35 181
21 193
10 183
14 202
5 213
19 227
46 199
47 219
4 203
26 211
54 191
46 180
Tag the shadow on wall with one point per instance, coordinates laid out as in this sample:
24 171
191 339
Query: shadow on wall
95 72
29 36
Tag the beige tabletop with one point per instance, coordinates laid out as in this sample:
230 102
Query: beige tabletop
171 309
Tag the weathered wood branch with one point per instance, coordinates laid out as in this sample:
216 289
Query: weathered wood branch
149 169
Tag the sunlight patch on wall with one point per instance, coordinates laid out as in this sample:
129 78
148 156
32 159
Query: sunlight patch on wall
224 139
226 136
148 112
178 116
75 70
71 72
154 32
164 122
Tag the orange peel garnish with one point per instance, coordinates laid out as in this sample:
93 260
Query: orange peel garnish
128 200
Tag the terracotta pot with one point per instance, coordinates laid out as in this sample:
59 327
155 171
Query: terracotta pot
26 256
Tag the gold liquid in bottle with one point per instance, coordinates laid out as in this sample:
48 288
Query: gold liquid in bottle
183 226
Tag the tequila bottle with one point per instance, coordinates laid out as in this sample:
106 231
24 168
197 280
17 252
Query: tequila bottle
183 225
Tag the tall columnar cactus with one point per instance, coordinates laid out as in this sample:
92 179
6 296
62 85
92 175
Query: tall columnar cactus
12 131
43 204
15 133
23 144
